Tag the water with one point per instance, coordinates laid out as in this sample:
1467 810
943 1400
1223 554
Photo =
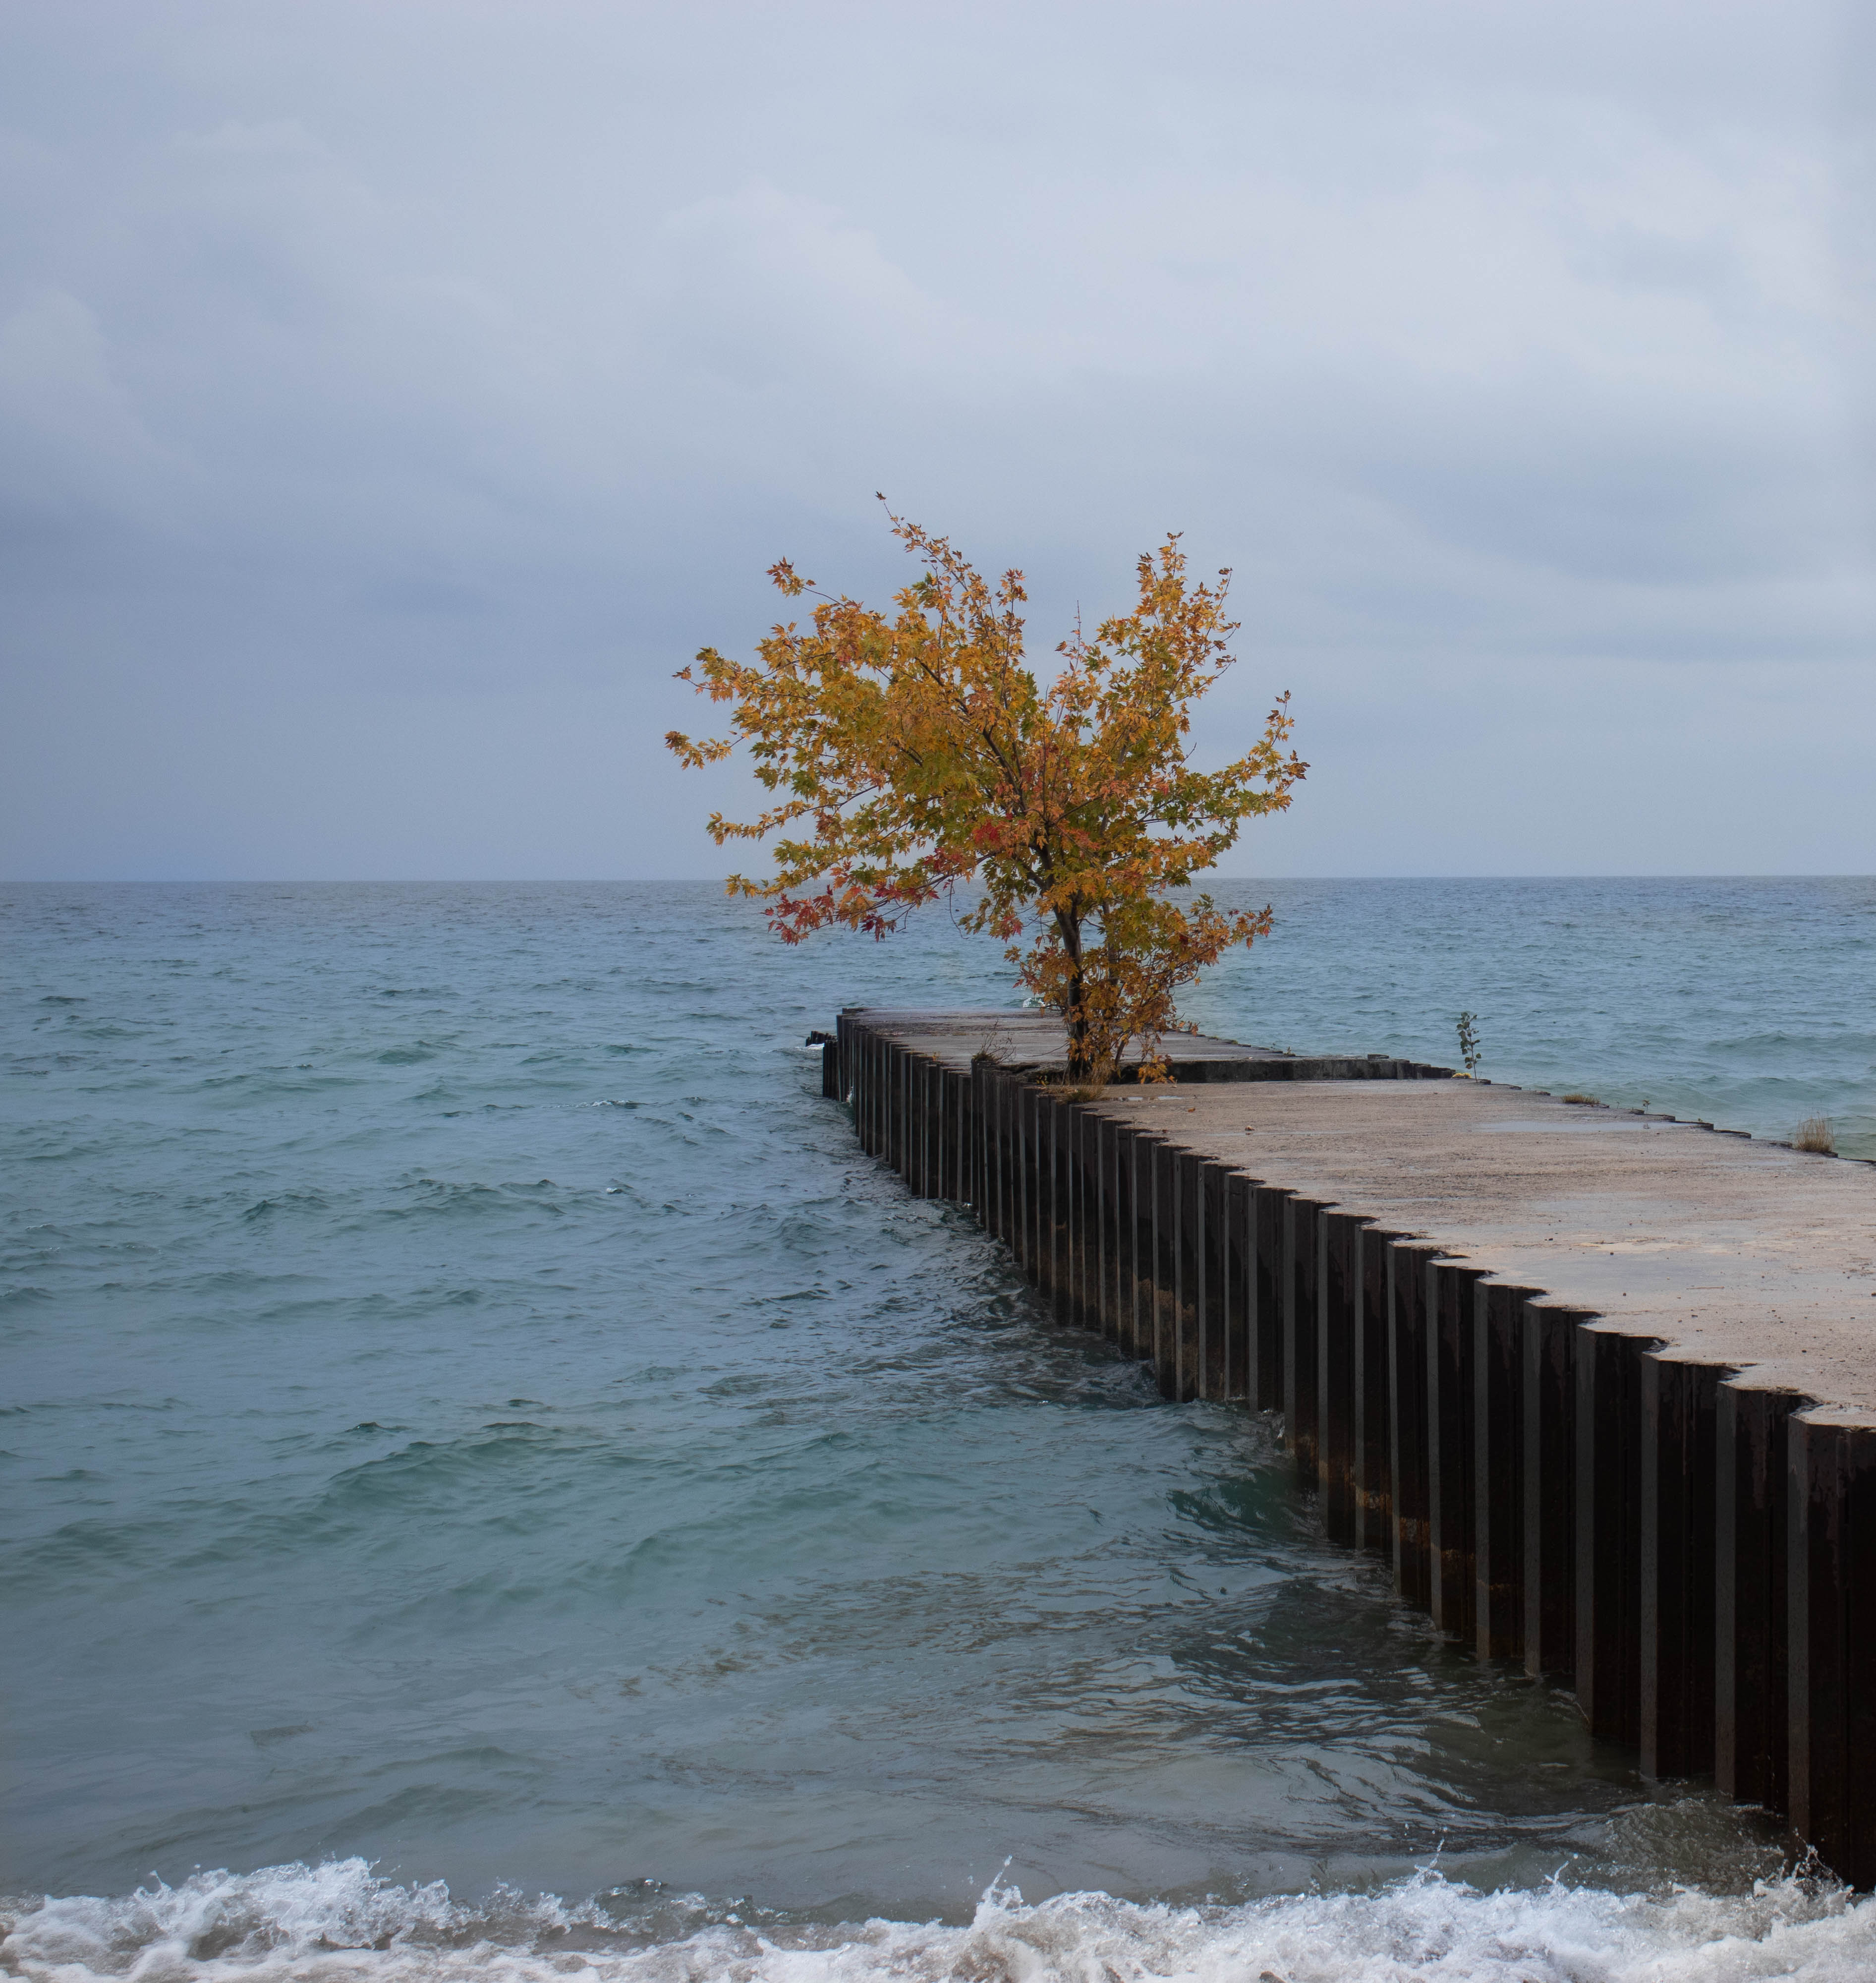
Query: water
495 1482
1749 1002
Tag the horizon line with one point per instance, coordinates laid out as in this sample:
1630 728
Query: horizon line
720 882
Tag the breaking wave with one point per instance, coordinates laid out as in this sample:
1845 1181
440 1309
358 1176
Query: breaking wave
337 1922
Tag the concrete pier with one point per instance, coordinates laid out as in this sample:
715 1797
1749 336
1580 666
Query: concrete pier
1600 1386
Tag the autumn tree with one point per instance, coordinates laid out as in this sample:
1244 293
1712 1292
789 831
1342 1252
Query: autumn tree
911 753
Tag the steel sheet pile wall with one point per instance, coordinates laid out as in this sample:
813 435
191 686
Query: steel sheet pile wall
1696 1556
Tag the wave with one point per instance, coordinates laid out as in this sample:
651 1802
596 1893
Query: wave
337 1923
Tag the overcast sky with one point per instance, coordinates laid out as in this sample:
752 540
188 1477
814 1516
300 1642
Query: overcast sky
392 395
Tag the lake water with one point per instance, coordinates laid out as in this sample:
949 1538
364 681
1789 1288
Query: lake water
495 1483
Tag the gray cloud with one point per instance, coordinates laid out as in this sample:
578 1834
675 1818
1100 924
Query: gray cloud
391 396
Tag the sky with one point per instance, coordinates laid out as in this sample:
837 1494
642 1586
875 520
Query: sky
393 396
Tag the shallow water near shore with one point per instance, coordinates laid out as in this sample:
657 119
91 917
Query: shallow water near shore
477 1430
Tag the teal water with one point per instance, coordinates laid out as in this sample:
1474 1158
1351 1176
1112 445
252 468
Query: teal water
476 1429
1749 1001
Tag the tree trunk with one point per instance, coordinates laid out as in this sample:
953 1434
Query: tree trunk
1080 1066
1081 1070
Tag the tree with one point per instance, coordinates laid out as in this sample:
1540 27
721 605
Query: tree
913 754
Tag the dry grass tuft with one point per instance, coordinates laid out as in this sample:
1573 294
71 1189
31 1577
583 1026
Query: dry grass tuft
1815 1133
1584 1101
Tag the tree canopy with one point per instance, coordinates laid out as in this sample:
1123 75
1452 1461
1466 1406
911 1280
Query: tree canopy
912 753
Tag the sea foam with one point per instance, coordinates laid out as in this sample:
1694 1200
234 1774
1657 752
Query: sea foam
336 1922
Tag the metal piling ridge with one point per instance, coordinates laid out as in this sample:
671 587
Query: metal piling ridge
1665 1499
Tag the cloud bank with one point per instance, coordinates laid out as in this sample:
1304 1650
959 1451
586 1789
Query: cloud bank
392 396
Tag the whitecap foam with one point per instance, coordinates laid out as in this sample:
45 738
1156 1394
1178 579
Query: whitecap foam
337 1923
